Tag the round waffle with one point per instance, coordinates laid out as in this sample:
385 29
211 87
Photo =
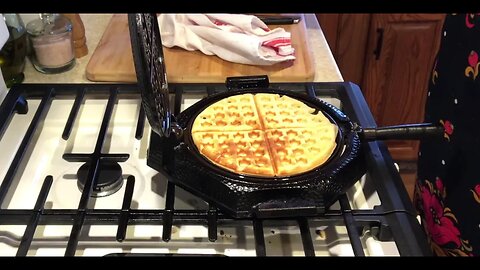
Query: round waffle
264 135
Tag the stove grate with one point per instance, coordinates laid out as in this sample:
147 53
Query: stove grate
393 220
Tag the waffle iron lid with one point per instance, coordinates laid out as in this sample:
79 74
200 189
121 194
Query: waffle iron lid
150 68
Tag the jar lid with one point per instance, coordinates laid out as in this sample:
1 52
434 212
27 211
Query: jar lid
49 24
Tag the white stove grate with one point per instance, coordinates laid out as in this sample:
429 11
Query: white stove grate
69 224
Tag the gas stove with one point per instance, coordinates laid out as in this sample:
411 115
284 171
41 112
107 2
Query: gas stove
55 139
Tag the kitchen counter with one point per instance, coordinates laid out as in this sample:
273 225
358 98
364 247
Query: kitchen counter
326 69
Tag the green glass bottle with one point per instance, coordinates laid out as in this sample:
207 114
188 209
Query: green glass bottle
13 53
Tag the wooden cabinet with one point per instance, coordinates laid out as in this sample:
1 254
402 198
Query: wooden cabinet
390 57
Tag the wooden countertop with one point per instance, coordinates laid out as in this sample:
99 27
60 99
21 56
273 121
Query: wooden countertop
326 69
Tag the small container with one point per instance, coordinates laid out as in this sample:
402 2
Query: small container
51 42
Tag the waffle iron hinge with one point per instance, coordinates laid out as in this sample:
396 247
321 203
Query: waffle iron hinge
244 82
168 143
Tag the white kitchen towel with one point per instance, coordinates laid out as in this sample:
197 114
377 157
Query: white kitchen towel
236 38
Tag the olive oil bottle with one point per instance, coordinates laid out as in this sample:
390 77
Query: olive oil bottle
13 53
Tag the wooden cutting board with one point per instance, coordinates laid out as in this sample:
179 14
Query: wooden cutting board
112 60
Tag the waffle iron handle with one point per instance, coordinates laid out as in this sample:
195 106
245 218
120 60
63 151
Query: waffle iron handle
245 82
289 207
403 132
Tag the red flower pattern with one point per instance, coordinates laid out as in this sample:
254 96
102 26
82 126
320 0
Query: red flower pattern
473 58
473 65
448 127
439 221
439 184
469 18
476 193
440 227
440 187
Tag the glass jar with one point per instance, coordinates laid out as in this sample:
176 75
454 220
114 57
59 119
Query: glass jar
13 53
51 43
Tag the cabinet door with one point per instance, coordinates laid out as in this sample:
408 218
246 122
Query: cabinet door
399 57
347 35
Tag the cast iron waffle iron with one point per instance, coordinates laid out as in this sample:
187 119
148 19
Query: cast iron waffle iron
242 196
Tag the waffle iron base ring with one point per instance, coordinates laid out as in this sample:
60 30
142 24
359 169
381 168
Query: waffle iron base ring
306 194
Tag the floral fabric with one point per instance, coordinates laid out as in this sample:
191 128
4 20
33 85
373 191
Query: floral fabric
447 192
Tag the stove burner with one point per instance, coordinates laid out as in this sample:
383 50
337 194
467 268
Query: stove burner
109 181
